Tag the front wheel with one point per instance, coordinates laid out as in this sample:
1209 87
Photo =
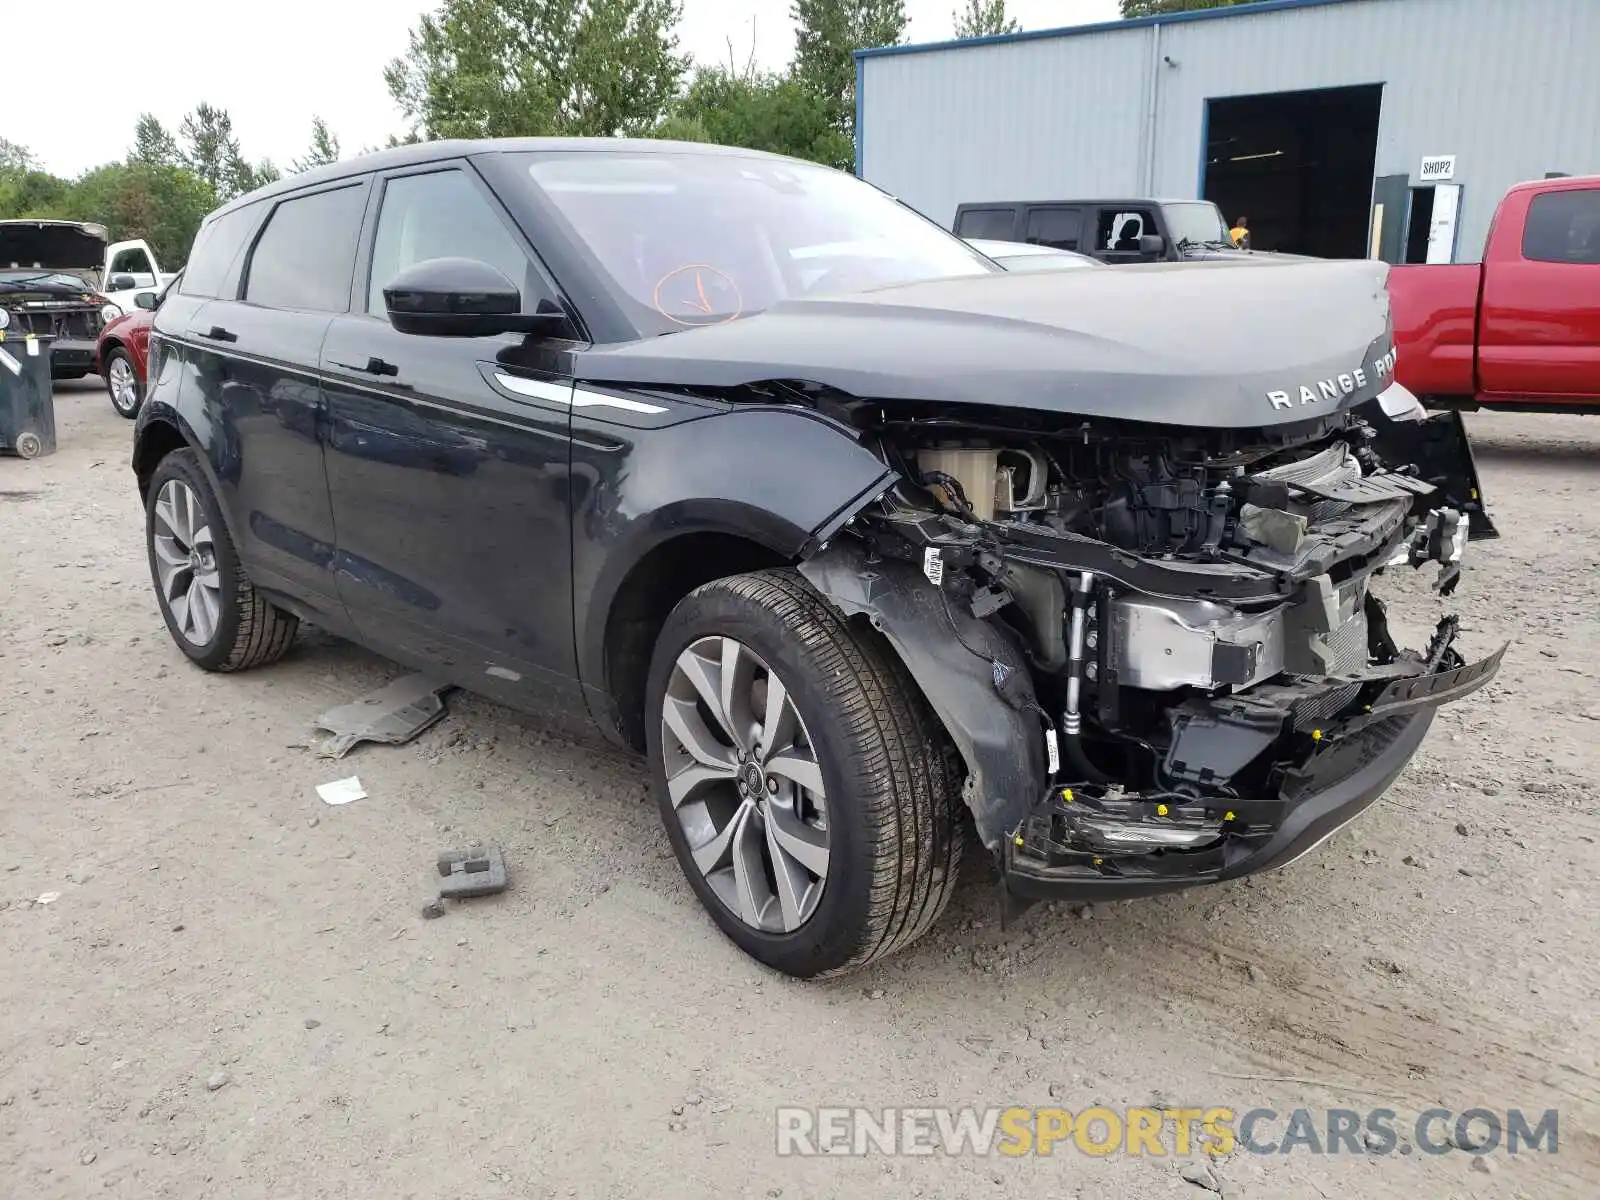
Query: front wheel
811 796
122 383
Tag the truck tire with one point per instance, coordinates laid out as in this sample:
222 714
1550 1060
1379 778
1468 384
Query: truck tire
211 608
838 841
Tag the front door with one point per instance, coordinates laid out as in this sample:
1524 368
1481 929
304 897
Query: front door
1539 330
1117 234
450 489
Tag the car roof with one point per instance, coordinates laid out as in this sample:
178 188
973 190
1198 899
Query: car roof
1112 201
425 152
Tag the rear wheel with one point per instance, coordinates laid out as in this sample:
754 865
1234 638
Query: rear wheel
212 610
122 383
810 795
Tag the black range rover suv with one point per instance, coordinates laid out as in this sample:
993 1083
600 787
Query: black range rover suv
871 546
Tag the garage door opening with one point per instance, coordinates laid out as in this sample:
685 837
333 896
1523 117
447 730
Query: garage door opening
1298 165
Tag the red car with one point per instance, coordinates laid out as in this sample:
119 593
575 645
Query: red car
1521 330
120 352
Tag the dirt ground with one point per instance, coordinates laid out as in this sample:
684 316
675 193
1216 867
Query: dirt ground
234 993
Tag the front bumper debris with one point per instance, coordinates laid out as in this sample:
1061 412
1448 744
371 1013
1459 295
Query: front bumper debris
1086 843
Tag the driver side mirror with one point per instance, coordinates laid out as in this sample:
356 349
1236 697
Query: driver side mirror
1152 243
123 283
463 297
146 301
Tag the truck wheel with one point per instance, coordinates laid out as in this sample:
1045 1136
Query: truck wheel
122 382
810 794
212 610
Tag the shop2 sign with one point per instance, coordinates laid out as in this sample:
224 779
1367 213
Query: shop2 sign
1437 168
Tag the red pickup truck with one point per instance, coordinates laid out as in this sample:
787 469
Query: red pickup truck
1521 330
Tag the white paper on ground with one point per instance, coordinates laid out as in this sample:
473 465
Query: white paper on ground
341 791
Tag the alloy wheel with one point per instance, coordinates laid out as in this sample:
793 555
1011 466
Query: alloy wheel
186 563
744 781
124 385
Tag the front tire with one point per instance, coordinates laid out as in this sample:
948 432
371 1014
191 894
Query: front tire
212 610
122 384
810 794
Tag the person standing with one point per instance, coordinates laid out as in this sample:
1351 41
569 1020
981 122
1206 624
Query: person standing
1241 233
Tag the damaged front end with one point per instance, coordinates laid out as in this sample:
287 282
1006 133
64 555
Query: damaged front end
1159 648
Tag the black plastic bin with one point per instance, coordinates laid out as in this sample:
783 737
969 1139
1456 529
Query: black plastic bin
27 409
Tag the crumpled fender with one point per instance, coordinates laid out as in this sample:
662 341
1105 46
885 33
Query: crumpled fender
951 655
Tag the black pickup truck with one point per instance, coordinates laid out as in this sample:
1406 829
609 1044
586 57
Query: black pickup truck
1114 231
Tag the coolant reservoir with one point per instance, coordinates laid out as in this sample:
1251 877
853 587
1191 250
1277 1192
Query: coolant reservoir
974 470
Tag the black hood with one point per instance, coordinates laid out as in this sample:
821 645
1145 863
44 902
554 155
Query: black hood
1199 343
52 245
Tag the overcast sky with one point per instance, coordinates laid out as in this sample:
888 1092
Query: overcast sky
285 61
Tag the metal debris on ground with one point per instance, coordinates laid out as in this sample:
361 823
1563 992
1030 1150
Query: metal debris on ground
342 791
393 715
480 871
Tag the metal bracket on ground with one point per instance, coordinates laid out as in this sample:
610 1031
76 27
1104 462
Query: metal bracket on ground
393 715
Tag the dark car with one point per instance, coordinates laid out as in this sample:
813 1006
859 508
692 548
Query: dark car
1113 231
870 545
46 289
120 356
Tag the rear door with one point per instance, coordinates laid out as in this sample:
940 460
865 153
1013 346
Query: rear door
1539 330
1056 225
448 456
255 359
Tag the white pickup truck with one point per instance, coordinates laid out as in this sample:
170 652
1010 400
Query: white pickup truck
118 271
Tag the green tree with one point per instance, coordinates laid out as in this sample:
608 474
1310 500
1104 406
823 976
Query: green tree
15 158
324 148
828 33
211 151
1160 8
757 110
153 144
984 18
502 68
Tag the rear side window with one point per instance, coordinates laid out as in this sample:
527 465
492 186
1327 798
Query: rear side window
1056 227
997 224
440 215
213 269
305 255
1563 227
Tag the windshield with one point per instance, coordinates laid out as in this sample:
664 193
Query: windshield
1199 221
700 239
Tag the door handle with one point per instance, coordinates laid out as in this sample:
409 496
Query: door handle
375 366
218 334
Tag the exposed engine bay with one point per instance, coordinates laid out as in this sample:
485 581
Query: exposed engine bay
1181 623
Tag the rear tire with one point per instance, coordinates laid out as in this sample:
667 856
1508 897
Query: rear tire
886 777
212 610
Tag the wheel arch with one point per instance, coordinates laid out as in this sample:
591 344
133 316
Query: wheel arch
642 599
161 432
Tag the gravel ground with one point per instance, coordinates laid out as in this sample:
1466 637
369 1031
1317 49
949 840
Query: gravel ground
234 993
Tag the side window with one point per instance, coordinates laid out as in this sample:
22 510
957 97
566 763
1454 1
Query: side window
441 215
213 267
133 261
1564 227
998 224
1120 231
304 256
1056 227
